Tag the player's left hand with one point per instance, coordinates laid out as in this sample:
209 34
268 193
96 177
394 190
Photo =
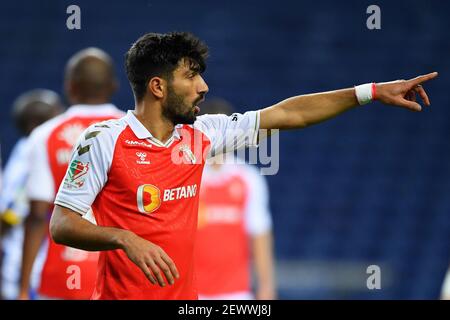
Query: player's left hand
402 93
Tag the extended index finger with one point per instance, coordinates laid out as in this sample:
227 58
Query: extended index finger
421 79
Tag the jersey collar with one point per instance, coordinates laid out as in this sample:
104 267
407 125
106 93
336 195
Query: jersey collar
141 131
92 109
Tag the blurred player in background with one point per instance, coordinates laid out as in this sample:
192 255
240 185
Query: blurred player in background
90 82
445 291
29 110
234 229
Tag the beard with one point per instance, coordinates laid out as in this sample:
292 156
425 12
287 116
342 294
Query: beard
177 111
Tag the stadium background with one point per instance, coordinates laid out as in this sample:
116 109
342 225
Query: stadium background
370 187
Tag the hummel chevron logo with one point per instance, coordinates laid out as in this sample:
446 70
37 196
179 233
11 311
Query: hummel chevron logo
92 134
83 150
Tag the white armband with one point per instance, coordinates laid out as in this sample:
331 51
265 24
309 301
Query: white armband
365 93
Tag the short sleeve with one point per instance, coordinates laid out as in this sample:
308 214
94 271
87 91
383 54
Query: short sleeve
257 215
228 133
88 169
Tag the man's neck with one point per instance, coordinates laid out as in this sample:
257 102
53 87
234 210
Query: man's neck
90 101
150 115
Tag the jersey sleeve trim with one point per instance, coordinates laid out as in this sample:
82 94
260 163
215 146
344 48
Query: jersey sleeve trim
254 140
71 207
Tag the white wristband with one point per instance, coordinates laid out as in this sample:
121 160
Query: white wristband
365 93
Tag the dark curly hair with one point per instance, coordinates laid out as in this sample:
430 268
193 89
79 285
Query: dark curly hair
156 54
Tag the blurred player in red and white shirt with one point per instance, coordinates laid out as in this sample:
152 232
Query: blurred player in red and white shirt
234 228
30 109
67 273
141 174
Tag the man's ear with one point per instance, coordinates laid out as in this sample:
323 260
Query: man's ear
156 86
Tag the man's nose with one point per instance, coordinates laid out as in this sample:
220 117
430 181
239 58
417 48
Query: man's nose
202 86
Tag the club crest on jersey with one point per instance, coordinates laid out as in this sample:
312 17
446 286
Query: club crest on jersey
188 154
76 174
142 158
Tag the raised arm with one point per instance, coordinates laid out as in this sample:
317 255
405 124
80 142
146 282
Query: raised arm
305 110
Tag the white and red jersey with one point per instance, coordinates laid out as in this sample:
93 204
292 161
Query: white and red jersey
133 181
51 148
234 206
